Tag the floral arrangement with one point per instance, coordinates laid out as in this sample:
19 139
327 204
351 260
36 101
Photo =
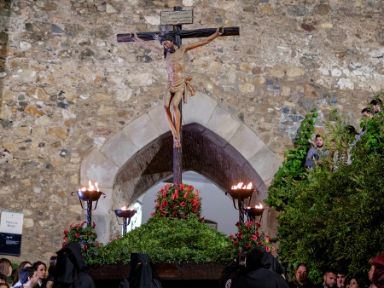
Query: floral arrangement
85 235
177 201
248 237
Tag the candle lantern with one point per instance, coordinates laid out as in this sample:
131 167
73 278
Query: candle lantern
89 195
239 194
126 215
253 212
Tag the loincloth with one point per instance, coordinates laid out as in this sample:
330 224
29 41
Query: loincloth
184 85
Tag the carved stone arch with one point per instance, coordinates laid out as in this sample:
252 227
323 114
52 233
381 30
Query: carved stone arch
215 144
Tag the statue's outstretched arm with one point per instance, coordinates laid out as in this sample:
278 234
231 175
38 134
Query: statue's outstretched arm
205 41
147 44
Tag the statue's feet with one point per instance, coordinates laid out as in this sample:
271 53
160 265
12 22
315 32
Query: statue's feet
176 142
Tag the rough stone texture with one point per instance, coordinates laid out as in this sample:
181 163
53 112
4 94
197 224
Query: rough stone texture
67 88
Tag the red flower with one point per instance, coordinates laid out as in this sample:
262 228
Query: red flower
175 195
180 198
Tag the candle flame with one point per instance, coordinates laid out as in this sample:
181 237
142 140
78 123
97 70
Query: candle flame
259 206
91 187
241 185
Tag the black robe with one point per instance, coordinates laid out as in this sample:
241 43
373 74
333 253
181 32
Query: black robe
70 269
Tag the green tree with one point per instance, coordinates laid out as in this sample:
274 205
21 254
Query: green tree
282 191
335 216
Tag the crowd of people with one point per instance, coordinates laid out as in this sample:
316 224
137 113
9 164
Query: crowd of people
27 274
340 278
319 152
258 273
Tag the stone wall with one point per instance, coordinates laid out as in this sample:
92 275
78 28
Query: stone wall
67 86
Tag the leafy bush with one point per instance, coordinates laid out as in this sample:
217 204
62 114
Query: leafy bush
169 240
282 191
335 216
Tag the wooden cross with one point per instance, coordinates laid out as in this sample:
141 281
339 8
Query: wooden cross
176 18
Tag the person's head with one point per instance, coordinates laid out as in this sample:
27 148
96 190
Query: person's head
254 259
3 278
353 282
319 142
5 267
301 273
366 113
376 105
22 265
351 130
168 42
340 279
28 275
376 273
52 267
41 269
329 279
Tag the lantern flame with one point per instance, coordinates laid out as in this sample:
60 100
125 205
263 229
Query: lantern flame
259 206
91 187
241 185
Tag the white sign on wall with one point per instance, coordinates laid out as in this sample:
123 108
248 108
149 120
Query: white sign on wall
11 222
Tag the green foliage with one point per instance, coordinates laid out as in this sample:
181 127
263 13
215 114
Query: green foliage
281 192
373 140
169 240
335 212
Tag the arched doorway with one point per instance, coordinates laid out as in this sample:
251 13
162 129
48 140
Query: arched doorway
215 144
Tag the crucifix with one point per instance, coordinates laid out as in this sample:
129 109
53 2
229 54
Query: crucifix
178 84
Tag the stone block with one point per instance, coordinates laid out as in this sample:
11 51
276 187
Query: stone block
293 72
97 167
199 109
28 223
223 123
141 131
266 163
119 149
75 209
345 84
246 142
140 79
158 118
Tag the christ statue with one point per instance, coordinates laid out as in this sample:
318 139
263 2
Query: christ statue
178 82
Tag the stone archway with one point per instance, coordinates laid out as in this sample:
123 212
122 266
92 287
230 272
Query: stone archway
139 156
